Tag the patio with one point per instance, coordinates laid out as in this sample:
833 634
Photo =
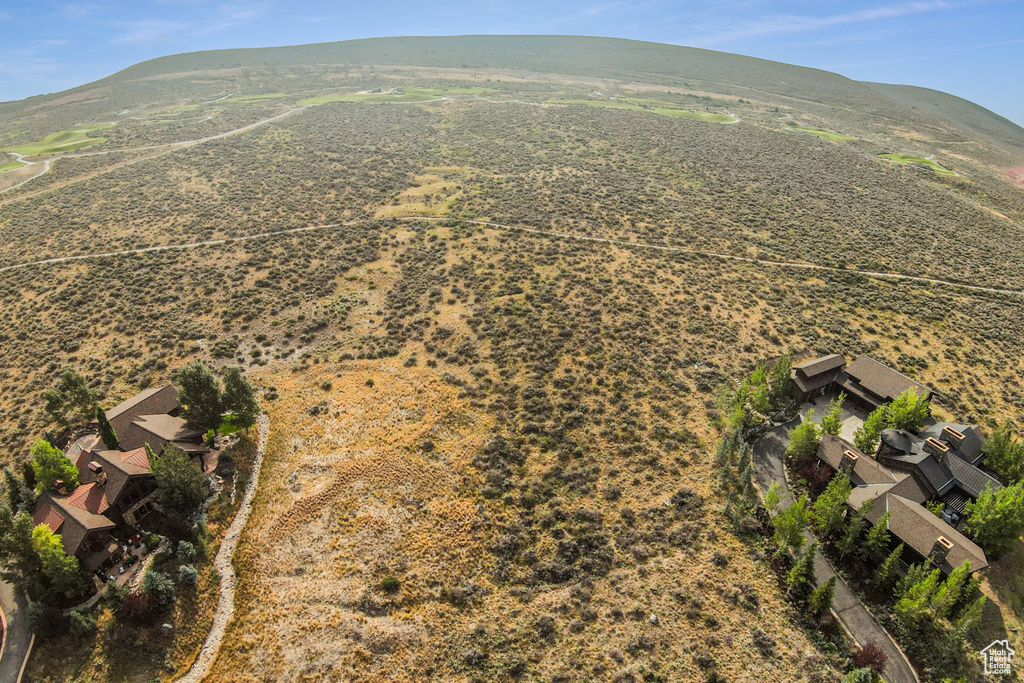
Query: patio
853 415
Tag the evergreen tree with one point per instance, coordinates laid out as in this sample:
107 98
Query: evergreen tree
969 618
830 508
800 579
107 435
240 397
887 573
19 495
28 474
780 386
949 593
71 401
867 436
832 420
58 567
1004 454
804 440
915 607
996 519
876 540
821 599
863 675
51 465
180 483
199 394
791 524
908 411
19 563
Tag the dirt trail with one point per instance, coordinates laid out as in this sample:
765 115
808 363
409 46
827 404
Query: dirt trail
882 275
225 567
164 149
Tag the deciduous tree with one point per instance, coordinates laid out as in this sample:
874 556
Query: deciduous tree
830 508
200 397
996 519
804 440
832 420
908 411
50 466
71 401
180 483
867 436
240 398
58 567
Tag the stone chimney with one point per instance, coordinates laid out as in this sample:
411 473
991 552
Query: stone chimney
60 487
936 448
940 550
849 461
953 437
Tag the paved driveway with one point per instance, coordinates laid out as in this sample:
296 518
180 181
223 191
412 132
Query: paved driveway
768 455
18 638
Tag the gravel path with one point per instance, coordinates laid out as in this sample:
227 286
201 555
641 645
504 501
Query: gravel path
223 563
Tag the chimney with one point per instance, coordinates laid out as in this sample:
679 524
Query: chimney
953 437
940 550
936 448
848 462
98 473
59 487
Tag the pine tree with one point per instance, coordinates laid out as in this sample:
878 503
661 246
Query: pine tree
867 436
1005 454
847 543
821 599
791 523
804 440
830 508
800 579
832 420
19 563
948 594
876 541
107 435
779 383
887 573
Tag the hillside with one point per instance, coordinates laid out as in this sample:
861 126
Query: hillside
490 288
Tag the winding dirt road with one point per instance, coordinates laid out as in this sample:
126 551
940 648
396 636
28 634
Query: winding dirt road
881 275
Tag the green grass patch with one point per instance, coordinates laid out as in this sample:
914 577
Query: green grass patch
256 98
227 426
64 141
10 166
821 132
654 107
918 161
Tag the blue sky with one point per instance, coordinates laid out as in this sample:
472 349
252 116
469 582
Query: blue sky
970 48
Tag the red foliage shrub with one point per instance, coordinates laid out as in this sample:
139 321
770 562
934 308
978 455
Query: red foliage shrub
871 656
138 609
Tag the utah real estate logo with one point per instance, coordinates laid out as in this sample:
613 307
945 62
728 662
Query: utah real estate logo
997 658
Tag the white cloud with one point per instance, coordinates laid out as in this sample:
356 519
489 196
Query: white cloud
148 30
772 24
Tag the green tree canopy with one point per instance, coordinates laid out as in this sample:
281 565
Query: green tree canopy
240 397
780 390
876 540
49 465
181 485
804 440
1004 453
800 578
58 567
829 511
821 599
199 394
996 519
887 573
908 411
790 524
19 563
71 401
107 435
867 436
832 420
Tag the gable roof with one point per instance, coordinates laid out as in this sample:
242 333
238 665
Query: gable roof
881 380
89 497
865 472
918 528
151 401
969 449
816 366
48 515
955 470
79 522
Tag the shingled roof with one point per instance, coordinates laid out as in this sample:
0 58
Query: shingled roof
868 379
78 520
158 400
918 528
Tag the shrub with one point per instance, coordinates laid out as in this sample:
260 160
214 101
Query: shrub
152 542
159 587
390 584
188 575
871 656
186 552
138 609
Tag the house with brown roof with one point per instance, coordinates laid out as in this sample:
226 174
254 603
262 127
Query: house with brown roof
903 489
816 377
117 486
875 384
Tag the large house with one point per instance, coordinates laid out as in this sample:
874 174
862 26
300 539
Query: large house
909 470
865 380
116 486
